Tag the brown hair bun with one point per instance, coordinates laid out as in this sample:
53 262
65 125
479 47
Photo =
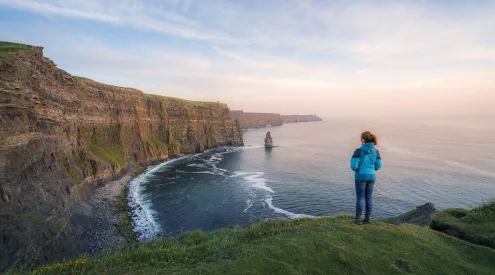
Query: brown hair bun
369 137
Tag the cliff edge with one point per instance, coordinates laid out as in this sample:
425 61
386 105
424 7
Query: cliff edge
61 136
247 120
299 118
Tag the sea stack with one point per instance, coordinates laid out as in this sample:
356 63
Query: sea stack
268 140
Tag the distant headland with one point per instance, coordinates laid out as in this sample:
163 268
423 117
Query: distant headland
248 120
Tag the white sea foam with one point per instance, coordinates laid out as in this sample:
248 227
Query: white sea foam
249 205
144 221
254 179
144 218
196 165
216 157
202 172
269 201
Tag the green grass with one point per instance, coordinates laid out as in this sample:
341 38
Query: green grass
184 101
109 151
330 245
8 47
389 220
476 225
127 224
73 176
153 141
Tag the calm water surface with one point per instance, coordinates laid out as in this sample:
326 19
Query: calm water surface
449 162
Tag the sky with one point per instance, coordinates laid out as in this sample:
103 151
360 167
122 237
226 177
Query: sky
330 58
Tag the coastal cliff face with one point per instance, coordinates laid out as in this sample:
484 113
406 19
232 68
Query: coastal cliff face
300 118
256 120
61 136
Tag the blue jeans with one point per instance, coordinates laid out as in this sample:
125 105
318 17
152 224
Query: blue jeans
364 192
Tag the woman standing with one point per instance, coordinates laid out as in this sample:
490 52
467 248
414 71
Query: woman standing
365 162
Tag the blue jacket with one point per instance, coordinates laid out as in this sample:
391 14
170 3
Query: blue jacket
366 161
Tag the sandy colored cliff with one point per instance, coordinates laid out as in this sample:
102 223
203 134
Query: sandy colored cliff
255 120
247 120
61 136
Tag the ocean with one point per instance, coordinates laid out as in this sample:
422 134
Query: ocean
446 161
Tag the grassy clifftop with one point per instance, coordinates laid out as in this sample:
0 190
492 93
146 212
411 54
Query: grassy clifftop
476 225
187 102
330 245
7 47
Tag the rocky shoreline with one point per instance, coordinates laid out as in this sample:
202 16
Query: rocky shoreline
99 221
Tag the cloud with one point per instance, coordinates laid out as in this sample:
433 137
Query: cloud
135 14
369 31
291 53
52 9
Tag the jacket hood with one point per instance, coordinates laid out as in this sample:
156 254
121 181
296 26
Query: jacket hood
368 148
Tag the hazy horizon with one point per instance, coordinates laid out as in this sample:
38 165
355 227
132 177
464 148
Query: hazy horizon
331 59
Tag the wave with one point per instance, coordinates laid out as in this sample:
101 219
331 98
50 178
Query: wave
143 217
144 224
249 205
255 179
469 168
202 172
455 164
269 201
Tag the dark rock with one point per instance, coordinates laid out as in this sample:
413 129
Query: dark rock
268 140
420 216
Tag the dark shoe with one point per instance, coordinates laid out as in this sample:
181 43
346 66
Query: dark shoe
368 221
358 222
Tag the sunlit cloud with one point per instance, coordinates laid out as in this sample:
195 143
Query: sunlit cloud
276 56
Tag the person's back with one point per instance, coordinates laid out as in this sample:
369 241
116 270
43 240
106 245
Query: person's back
365 161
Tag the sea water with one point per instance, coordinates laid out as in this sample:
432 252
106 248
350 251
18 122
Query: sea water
447 161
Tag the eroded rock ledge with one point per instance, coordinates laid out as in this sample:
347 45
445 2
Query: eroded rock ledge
61 136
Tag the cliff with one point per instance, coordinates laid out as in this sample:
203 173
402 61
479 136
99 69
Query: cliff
299 118
256 120
61 136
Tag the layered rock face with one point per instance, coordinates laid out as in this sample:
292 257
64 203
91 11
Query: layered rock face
61 136
300 118
268 140
256 120
420 216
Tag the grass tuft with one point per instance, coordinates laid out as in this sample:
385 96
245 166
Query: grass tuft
109 151
157 143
